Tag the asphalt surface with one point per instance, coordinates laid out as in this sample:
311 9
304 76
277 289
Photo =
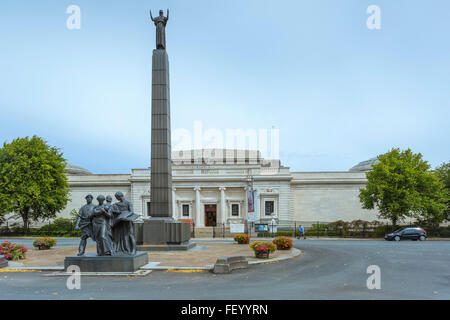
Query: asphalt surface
60 242
74 242
334 269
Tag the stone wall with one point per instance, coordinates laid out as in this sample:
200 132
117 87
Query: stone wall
328 197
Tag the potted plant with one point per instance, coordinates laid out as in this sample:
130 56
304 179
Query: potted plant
262 249
242 238
283 243
12 251
44 243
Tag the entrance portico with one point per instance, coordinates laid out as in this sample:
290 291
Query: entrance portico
215 206
210 215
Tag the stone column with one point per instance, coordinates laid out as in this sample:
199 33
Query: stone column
175 214
161 165
223 211
199 222
245 209
257 205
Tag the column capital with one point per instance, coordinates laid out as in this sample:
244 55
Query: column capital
197 188
222 188
174 189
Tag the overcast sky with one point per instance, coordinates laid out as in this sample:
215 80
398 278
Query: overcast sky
338 92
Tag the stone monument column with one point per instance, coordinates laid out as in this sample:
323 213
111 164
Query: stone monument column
161 165
245 209
161 231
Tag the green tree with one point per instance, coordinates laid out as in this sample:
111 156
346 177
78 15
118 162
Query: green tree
443 173
33 183
401 185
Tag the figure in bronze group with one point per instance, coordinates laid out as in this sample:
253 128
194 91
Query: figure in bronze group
108 206
110 225
101 228
160 23
123 225
108 203
84 223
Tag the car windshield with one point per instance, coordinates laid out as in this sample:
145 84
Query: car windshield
398 230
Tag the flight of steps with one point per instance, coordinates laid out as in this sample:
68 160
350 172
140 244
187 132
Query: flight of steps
210 232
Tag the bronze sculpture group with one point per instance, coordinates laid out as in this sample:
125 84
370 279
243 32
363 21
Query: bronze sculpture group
110 225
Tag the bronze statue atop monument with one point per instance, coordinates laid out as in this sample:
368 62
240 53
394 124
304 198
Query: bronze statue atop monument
160 23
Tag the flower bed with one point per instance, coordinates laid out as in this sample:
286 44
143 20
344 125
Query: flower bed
262 249
12 251
242 238
44 243
283 243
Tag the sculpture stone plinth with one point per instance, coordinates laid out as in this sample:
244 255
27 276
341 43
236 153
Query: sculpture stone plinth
90 262
3 262
163 234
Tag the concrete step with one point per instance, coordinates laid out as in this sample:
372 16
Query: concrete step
210 232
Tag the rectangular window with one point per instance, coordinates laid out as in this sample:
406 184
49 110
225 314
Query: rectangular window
185 210
269 208
235 210
148 209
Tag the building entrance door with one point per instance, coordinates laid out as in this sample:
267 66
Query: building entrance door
210 215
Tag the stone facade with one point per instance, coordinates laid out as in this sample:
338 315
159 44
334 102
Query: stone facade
216 194
328 196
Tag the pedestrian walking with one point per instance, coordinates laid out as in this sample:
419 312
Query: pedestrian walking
301 231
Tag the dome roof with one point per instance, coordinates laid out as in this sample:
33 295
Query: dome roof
365 165
73 169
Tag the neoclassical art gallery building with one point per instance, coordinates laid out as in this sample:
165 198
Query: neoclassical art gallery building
218 193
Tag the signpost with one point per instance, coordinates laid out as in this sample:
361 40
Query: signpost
237 228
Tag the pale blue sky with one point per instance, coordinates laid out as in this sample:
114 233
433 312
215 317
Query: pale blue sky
338 92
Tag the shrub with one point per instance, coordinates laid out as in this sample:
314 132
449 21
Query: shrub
44 243
12 251
283 243
63 224
242 238
58 225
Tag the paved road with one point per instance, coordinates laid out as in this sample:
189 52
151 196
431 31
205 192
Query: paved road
60 242
327 270
69 242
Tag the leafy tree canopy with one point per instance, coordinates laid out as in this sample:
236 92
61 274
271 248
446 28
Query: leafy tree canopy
33 183
443 173
401 185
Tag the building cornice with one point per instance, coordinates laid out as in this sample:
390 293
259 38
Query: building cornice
205 178
329 181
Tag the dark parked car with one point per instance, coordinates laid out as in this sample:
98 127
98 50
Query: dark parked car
407 234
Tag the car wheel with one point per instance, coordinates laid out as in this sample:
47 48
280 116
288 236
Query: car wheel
397 238
422 238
